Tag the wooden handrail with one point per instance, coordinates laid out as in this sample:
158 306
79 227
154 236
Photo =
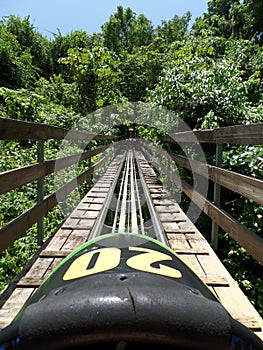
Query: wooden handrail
241 234
12 129
242 184
16 228
247 186
250 134
18 177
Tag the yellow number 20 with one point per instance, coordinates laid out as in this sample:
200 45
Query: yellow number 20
105 259
144 261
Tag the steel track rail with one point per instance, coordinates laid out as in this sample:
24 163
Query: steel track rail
128 215
157 226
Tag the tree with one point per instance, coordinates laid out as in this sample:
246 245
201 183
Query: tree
220 8
96 74
62 43
31 41
125 30
16 67
233 18
140 71
200 89
175 29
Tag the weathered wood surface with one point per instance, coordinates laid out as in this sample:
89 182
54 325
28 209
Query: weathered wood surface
183 237
251 134
245 237
18 177
71 235
10 129
195 251
16 228
244 185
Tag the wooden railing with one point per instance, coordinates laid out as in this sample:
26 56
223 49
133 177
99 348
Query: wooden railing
244 185
247 186
20 130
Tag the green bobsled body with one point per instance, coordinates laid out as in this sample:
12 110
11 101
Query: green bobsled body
125 291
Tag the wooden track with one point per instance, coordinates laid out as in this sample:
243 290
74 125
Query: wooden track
183 237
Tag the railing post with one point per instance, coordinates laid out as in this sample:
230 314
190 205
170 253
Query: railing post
217 195
40 191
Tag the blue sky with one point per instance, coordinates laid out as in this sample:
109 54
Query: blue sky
68 15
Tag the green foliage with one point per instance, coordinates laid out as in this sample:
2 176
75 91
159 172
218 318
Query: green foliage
233 18
32 41
60 45
140 72
174 29
96 74
125 31
197 88
16 66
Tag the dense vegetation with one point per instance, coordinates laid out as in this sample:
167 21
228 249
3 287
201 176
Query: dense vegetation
210 76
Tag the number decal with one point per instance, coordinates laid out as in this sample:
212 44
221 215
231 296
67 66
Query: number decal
105 259
144 261
96 261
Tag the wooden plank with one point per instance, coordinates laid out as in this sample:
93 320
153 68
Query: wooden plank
239 307
10 129
193 263
76 239
170 226
172 217
30 282
210 270
173 208
52 266
212 265
58 240
18 177
244 185
164 201
200 244
194 251
251 134
75 223
13 305
91 204
216 281
81 214
55 253
98 194
246 238
180 244
39 268
22 223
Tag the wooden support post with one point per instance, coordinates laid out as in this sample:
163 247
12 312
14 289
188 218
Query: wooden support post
40 191
217 195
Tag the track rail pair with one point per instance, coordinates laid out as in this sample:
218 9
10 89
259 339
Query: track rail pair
128 206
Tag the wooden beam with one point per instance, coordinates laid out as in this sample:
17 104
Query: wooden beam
15 178
250 134
241 234
12 129
16 228
244 185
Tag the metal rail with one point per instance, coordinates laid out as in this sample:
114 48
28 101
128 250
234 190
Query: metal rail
128 191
